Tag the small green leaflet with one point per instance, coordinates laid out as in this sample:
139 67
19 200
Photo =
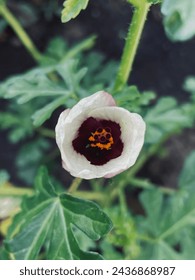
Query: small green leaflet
72 8
46 223
40 116
179 21
165 117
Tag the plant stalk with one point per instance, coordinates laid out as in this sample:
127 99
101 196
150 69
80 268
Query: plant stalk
74 186
21 33
141 9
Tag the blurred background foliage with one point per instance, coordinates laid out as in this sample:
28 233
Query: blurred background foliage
152 205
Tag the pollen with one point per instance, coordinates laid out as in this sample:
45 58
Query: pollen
101 138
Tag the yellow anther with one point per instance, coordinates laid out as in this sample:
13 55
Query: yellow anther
97 142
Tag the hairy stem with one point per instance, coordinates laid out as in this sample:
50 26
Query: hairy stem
132 41
22 35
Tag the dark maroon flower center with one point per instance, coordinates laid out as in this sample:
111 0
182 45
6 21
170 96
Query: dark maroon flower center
98 140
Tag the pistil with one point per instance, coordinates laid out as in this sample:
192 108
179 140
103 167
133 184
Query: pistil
101 138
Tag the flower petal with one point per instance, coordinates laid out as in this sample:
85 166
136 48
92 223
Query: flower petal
100 106
132 135
60 127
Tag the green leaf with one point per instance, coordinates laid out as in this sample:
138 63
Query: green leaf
71 75
59 51
100 72
152 200
48 218
29 158
31 85
164 118
160 250
165 221
187 175
179 21
56 48
42 82
154 1
189 85
3 254
49 89
72 8
123 235
171 215
188 244
131 99
178 215
17 120
40 116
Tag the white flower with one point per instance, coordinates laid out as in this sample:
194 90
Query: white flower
98 139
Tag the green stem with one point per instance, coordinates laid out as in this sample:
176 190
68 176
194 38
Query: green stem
46 132
75 184
15 191
132 41
147 185
98 196
123 204
22 35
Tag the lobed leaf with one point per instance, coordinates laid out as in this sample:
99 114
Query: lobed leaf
31 85
40 116
166 220
30 156
166 117
56 85
48 218
72 8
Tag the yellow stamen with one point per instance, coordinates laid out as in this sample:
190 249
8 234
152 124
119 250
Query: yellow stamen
98 143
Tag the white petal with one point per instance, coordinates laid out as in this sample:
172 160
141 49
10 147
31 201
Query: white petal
67 129
86 105
102 106
59 129
132 135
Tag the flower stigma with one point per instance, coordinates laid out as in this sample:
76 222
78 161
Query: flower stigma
102 138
